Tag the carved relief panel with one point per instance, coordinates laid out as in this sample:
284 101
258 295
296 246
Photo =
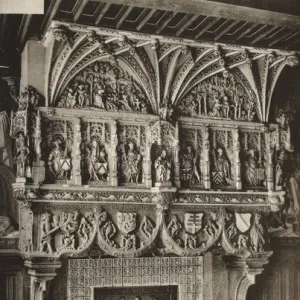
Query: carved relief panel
105 85
220 96
132 154
96 152
254 159
222 158
191 157
58 149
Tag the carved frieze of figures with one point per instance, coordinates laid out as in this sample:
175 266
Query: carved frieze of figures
105 85
246 231
220 96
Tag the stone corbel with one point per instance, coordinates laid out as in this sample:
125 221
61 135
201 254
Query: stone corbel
62 34
41 271
242 271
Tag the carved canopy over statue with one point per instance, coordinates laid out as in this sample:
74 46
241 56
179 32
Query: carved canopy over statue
105 85
219 96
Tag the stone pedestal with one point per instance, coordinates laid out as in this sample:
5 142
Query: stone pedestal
42 271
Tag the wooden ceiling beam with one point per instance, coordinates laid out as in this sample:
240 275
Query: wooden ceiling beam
50 14
79 9
206 27
262 35
102 13
124 16
187 24
145 19
165 22
225 30
245 32
218 10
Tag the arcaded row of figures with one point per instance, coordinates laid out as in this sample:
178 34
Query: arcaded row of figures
133 164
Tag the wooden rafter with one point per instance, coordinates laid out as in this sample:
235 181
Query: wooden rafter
23 29
50 14
189 22
79 9
262 35
145 19
124 16
225 30
245 32
102 13
280 38
206 27
165 22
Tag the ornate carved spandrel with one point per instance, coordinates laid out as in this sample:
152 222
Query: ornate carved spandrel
246 231
192 233
220 96
132 151
191 157
254 159
97 155
222 159
58 150
107 86
65 231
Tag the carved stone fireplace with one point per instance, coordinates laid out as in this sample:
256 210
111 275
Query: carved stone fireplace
87 278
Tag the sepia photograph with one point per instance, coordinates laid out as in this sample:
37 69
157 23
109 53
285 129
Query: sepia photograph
149 150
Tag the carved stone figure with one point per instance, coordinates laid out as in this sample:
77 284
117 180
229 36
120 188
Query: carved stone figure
47 229
257 234
128 242
109 230
189 168
162 167
59 162
97 162
190 241
254 170
85 230
21 157
131 164
222 172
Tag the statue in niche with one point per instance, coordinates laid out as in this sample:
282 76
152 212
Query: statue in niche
257 234
59 162
21 157
254 170
162 167
97 162
98 98
131 163
189 168
222 168
283 119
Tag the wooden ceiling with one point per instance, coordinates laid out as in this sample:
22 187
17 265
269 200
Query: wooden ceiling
213 21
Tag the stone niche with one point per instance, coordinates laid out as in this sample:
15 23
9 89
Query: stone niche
86 278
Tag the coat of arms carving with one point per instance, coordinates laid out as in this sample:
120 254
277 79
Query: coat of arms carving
193 222
126 222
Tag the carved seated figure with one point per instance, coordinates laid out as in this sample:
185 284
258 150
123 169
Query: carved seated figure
162 167
59 161
97 162
131 164
254 170
190 174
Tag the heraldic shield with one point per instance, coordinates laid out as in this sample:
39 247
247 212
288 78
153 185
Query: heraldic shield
126 222
242 221
193 222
